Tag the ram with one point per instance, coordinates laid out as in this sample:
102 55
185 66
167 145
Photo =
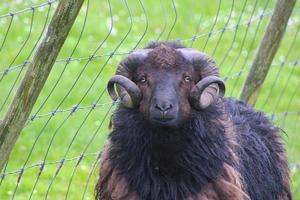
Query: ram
175 137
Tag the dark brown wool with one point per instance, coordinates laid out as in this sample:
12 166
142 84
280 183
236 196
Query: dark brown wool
163 57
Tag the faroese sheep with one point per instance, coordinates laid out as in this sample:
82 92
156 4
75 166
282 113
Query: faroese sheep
175 137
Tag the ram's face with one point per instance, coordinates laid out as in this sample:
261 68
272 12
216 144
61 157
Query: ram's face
165 83
165 92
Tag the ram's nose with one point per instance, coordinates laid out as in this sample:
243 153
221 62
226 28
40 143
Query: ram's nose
163 106
164 112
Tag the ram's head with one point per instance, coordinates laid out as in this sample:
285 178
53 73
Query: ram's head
165 81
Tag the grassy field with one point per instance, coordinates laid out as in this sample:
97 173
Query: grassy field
59 145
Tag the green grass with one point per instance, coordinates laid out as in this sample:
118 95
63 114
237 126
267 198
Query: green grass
233 50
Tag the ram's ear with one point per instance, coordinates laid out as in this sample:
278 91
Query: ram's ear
110 125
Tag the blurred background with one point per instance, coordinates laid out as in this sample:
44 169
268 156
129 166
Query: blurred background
56 154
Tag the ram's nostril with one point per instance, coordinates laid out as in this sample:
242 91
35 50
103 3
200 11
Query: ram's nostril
163 107
169 107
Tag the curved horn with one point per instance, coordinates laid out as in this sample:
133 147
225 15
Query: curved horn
205 91
130 94
210 86
131 62
203 62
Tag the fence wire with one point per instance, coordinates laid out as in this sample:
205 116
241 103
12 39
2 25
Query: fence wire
57 153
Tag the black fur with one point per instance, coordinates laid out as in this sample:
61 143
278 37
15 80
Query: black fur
258 164
164 163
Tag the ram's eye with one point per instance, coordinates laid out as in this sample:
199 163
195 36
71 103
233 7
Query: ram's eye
143 79
187 79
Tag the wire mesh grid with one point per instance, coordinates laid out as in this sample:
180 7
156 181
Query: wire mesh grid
56 156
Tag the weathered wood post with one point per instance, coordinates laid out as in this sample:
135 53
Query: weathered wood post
267 50
36 75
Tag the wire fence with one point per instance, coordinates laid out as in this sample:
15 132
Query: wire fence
56 154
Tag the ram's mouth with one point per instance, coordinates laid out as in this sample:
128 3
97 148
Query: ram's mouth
165 121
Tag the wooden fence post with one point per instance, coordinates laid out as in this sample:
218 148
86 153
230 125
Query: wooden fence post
36 75
267 50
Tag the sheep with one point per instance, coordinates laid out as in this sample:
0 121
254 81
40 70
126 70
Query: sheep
175 137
